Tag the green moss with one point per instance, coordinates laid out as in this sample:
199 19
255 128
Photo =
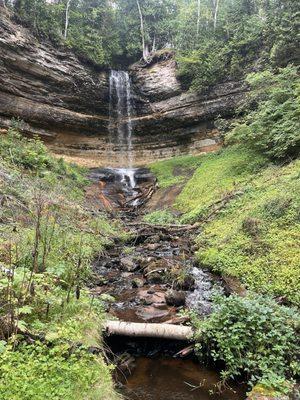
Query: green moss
160 217
255 235
175 170
219 175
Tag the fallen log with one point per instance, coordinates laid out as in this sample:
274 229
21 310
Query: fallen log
136 329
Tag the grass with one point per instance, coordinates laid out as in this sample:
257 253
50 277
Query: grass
160 217
175 170
255 236
219 174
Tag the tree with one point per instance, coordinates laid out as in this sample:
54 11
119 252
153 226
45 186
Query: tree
145 46
198 17
67 18
215 12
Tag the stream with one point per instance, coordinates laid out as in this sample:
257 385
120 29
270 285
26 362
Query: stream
151 278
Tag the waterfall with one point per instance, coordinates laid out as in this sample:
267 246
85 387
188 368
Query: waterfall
120 112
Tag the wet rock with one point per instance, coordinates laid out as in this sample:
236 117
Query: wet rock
137 282
233 285
187 283
128 264
153 239
155 272
145 261
175 298
153 297
152 246
152 314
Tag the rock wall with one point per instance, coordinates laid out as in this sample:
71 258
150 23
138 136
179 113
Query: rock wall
67 102
48 87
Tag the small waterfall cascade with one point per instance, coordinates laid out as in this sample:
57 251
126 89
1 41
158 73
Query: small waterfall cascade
120 125
201 299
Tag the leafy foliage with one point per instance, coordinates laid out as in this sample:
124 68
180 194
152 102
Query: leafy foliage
39 372
253 335
213 41
273 127
48 239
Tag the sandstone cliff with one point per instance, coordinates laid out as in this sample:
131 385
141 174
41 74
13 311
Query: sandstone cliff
184 121
67 102
47 87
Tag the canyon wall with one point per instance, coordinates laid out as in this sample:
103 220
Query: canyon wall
47 87
66 102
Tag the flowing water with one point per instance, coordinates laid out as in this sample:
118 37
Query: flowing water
156 374
120 124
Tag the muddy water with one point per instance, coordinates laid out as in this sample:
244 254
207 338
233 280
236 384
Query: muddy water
174 379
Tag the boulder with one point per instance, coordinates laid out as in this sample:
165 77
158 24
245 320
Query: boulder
175 298
137 282
128 264
155 272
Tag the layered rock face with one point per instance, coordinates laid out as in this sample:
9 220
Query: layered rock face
67 103
48 88
179 122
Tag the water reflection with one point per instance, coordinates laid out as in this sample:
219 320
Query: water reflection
175 379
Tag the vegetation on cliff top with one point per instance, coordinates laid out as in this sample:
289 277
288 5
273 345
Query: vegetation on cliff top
48 239
214 40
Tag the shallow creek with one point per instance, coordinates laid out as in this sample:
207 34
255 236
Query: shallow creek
152 278
166 378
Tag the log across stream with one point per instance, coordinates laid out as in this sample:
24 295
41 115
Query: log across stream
152 278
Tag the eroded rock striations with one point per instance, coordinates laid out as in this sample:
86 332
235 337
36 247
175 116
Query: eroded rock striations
67 102
47 87
177 121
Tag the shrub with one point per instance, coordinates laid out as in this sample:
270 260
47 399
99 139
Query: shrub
27 153
273 128
252 335
39 373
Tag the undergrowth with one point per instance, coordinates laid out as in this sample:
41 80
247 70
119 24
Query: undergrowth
253 337
250 212
48 240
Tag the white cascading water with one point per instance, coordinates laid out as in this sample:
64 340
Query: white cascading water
120 124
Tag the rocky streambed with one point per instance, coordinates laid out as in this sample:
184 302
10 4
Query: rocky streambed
153 278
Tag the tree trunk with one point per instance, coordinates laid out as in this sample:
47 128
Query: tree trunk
198 17
154 44
144 45
162 331
216 6
67 19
